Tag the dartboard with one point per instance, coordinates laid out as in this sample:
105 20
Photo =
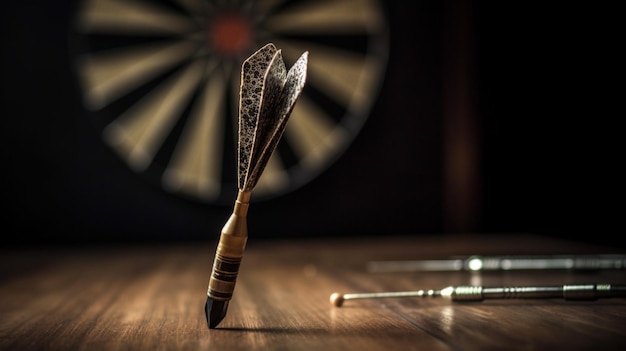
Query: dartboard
160 80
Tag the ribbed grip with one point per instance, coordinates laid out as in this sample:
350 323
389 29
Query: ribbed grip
477 293
229 251
226 267
569 291
522 292
466 293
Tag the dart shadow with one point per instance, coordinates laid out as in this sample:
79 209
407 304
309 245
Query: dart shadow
365 330
276 330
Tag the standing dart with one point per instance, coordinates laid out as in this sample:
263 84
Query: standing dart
267 97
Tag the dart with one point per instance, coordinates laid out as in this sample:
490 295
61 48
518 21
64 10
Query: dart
268 94
480 293
478 263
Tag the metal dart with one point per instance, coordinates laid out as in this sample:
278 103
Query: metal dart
267 97
479 293
477 263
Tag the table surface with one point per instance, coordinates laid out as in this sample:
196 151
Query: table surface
151 297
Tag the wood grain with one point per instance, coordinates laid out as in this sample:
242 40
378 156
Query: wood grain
151 297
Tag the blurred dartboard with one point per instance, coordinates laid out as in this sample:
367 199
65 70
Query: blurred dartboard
160 80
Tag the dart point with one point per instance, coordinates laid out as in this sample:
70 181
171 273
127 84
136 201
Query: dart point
215 312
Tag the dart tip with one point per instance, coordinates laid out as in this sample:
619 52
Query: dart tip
336 299
215 311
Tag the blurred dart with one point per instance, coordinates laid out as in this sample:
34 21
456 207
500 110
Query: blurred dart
504 263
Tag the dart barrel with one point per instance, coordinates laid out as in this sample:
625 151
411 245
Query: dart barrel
230 250
568 291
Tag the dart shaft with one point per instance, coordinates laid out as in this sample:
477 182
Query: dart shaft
230 250
392 294
576 262
569 292
479 293
493 263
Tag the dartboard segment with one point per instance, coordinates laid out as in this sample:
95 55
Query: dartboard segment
330 16
195 165
131 17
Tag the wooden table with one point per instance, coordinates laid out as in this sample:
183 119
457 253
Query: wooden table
151 297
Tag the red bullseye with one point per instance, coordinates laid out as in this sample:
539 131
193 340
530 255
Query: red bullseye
230 34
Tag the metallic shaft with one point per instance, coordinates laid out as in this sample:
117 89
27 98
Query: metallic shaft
479 293
496 263
568 292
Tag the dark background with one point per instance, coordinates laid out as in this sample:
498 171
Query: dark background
537 89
